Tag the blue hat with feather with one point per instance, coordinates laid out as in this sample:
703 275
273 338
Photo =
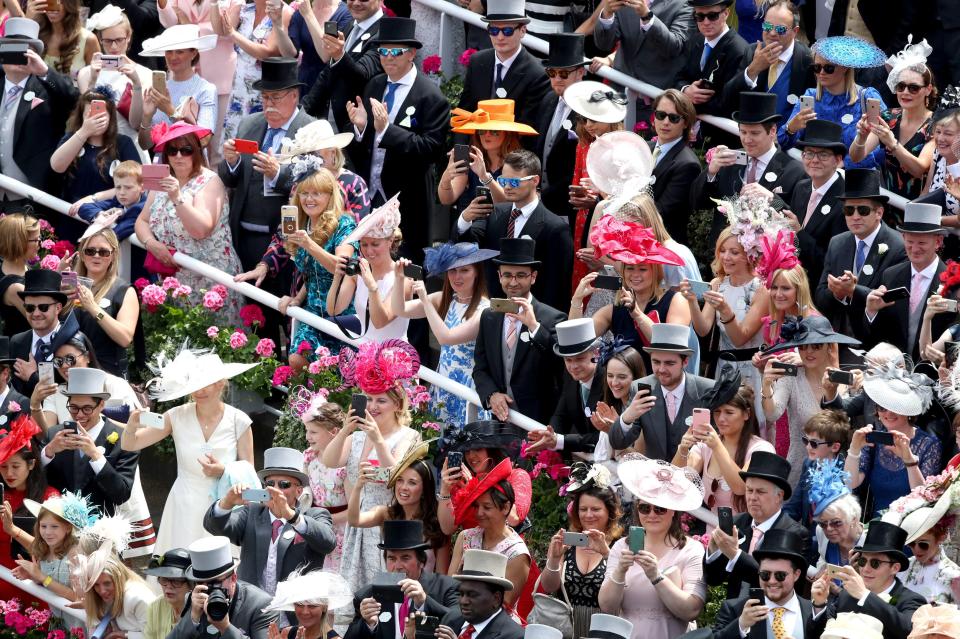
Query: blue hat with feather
827 484
449 256
849 52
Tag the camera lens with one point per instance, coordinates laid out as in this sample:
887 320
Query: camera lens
218 604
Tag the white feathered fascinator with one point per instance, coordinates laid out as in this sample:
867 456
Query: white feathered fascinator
913 57
315 588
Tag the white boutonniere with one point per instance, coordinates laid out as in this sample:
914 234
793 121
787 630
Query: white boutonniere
882 248
770 176
825 209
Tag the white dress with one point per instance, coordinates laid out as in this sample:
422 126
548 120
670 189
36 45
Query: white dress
189 498
397 329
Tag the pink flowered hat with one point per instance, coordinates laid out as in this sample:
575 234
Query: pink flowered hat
376 367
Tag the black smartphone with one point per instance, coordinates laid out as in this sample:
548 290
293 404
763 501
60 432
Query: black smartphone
413 271
386 587
330 28
950 353
725 519
880 438
757 593
895 294
13 53
789 370
639 386
70 425
484 192
454 459
461 153
707 84
840 377
358 404
426 627
608 282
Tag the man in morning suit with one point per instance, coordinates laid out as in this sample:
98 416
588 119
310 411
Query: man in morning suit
35 105
89 459
353 63
765 164
675 164
481 615
524 215
782 566
400 128
507 70
556 146
779 64
898 322
432 594
7 393
767 488
514 365
275 537
872 587
716 54
661 414
857 259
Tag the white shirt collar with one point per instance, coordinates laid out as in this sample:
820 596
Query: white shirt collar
46 338
676 392
826 185
506 63
527 209
768 524
478 627
870 239
369 22
928 272
713 43
95 431
764 160
3 395
7 85
792 604
787 53
408 78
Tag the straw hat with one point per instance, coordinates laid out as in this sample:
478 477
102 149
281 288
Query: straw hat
414 455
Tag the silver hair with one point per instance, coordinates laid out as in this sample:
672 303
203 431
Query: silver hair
847 507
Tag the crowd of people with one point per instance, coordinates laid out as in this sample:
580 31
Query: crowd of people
744 355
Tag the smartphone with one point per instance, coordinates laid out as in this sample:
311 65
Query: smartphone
413 271
742 158
502 305
789 370
641 386
13 53
833 570
707 84
484 192
840 377
725 519
880 438
701 419
608 282
256 495
71 426
330 28
151 419
152 174
895 294
288 219
699 288
951 305
636 538
461 153
110 61
381 474
873 110
358 404
950 350
575 539
757 593
248 147
54 6
454 459
386 587
807 101
45 371
426 626
69 281
160 81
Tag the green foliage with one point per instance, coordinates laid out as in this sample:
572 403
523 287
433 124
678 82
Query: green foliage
548 513
698 234
289 432
452 88
715 597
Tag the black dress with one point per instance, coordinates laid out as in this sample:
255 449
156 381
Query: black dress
583 591
13 320
112 356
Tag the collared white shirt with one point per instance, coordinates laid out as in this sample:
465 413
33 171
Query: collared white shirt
784 58
46 339
665 148
792 617
363 27
762 162
506 67
821 191
478 627
714 41
869 240
7 85
676 392
269 185
3 395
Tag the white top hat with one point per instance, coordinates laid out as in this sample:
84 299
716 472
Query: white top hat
177 37
86 381
506 11
609 627
671 338
483 565
24 29
921 218
575 336
853 625
283 461
539 631
210 559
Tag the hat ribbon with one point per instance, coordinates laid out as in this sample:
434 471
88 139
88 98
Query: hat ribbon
793 330
612 96
462 117
661 480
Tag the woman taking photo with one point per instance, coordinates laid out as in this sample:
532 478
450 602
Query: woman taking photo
19 245
660 586
946 127
578 571
68 47
453 314
164 612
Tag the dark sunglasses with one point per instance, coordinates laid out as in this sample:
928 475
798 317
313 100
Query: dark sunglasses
874 562
922 545
43 308
780 575
779 29
711 16
185 151
861 209
832 523
676 118
66 360
912 88
823 68
812 443
95 252
507 31
282 484
644 509
563 74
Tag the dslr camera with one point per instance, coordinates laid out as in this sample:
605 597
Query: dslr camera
218 603
353 266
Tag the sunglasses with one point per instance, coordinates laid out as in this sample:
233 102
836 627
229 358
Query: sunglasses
506 31
862 210
392 52
711 16
812 443
912 88
832 523
714 487
95 252
513 183
282 484
563 74
922 545
676 118
86 410
780 575
823 68
779 29
43 308
185 151
874 562
66 360
645 509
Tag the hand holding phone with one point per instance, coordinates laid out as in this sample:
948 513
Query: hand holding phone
330 28
358 404
45 371
576 539
880 438
894 294
636 538
255 495
725 519
840 377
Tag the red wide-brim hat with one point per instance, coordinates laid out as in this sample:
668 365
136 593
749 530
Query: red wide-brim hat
518 479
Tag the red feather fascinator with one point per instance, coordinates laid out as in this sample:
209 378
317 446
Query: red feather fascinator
21 432
630 243
465 496
950 277
777 255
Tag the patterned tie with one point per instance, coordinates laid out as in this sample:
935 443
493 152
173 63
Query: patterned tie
773 73
861 255
43 352
511 332
388 97
270 138
671 407
706 54
656 154
498 82
811 207
751 171
277 525
917 291
512 222
755 539
779 631
467 632
11 97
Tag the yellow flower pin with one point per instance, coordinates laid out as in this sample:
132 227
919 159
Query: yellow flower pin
113 437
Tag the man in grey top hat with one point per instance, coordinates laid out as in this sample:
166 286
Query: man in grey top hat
275 536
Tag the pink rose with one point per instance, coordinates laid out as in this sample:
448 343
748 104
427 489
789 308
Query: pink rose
238 339
13 407
252 316
50 262
265 347
315 367
47 244
170 283
421 398
212 332
709 155
304 347
212 301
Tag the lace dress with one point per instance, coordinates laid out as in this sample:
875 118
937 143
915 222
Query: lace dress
456 363
583 590
740 298
328 486
886 476
216 250
244 99
795 396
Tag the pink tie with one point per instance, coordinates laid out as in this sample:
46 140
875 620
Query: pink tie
752 171
755 539
277 524
811 206
917 291
511 332
404 611
671 407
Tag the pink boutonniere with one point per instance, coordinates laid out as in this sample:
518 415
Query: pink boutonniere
35 103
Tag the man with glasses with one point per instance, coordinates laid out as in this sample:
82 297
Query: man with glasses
781 612
855 260
400 128
524 215
514 364
869 585
507 70
274 535
779 64
84 455
716 55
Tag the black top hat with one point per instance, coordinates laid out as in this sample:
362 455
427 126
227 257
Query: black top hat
824 134
724 388
5 357
772 467
887 538
172 564
859 184
517 251
398 31
403 534
277 74
781 544
42 282
756 107
566 50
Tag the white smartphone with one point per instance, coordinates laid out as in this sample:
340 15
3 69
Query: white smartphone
45 371
807 102
742 158
151 419
873 110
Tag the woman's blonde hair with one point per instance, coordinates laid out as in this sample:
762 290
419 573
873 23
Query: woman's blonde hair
797 278
399 396
121 576
849 87
101 288
15 232
717 265
585 137
40 550
323 182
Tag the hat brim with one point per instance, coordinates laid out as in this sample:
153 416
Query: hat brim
497 125
735 116
863 196
668 348
550 64
406 43
190 574
505 18
290 472
415 454
780 482
918 227
37 45
170 572
60 296
573 350
230 370
506 584
836 338
832 145
509 262
759 554
260 85
876 389
335 141
64 392
202 43
481 255
632 473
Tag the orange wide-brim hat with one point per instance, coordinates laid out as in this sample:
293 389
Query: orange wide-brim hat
491 115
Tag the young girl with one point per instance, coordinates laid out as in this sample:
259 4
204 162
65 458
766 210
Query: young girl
54 542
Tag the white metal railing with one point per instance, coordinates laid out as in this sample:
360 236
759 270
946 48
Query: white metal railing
268 299
633 84
57 603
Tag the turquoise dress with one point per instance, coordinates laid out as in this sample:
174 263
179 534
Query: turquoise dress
318 280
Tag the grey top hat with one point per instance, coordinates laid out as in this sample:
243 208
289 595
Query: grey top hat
281 461
670 338
609 627
86 381
506 11
921 218
483 565
210 559
23 30
575 336
539 631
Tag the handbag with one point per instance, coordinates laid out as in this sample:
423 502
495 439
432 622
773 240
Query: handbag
156 267
550 611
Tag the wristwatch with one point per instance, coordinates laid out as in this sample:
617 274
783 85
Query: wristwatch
648 17
100 316
296 514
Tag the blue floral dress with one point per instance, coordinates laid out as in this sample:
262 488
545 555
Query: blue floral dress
318 280
886 475
244 99
456 363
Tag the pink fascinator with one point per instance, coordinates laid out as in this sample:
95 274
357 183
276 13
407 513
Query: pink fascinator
777 254
381 223
378 367
660 483
630 243
306 404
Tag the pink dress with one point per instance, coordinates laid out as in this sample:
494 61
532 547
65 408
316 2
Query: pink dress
217 65
329 491
716 490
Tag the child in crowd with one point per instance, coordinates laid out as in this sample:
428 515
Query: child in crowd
119 212
826 436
